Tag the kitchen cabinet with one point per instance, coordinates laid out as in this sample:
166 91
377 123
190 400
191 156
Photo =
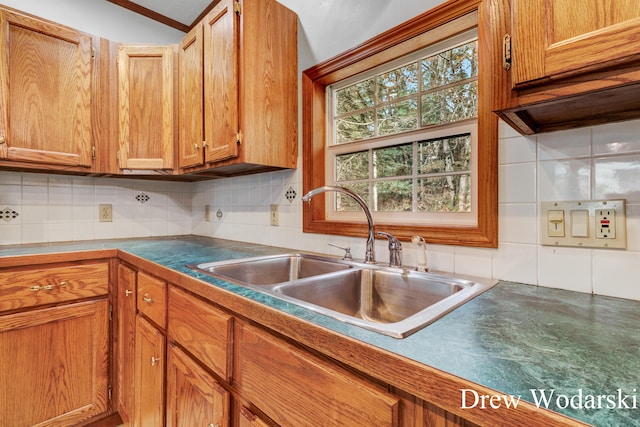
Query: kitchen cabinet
149 369
249 419
126 300
194 397
572 63
54 343
294 387
146 97
247 72
45 95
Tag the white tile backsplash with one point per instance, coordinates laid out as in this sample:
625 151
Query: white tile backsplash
587 163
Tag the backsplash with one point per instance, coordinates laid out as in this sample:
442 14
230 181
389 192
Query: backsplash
601 162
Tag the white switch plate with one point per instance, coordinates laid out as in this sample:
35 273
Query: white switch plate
589 235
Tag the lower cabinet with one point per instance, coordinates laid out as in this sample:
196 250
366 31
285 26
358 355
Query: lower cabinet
194 397
149 368
54 368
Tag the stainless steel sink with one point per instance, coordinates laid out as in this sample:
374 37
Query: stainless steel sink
269 270
394 302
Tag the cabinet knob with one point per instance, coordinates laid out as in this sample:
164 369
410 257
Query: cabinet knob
127 292
196 146
146 298
2 140
154 360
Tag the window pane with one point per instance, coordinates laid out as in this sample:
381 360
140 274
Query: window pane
444 194
451 104
399 117
347 203
444 155
353 128
355 97
398 83
393 161
459 63
393 196
352 166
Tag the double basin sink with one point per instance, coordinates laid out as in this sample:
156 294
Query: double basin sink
391 301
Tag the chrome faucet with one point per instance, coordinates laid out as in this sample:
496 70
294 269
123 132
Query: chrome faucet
395 249
369 256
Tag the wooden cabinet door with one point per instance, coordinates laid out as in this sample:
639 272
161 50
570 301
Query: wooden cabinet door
194 397
54 365
45 92
249 419
221 108
149 375
190 108
126 340
556 38
146 107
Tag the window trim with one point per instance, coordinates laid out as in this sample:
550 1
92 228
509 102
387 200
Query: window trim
368 55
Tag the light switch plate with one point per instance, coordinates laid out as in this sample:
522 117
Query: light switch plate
587 224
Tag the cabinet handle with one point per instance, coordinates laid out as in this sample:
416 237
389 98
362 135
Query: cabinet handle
127 292
213 425
146 298
196 146
36 288
154 360
2 140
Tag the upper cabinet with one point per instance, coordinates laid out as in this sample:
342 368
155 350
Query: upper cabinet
146 107
45 95
567 63
242 58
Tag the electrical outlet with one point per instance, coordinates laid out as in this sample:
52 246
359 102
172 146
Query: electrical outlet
105 213
274 215
605 223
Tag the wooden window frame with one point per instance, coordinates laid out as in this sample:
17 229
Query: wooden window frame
314 123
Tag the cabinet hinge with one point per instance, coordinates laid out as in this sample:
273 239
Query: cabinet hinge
506 52
239 138
109 392
237 7
93 52
110 312
118 155
93 152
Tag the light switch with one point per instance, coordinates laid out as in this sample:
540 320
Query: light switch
580 223
555 223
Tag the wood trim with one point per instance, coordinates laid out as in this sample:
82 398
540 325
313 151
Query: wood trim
314 82
136 8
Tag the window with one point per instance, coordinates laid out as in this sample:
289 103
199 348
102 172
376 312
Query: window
405 121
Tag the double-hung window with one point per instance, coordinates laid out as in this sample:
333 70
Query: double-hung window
405 121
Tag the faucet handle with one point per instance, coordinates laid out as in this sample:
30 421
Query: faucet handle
347 251
395 249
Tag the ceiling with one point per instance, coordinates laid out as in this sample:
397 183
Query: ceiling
179 14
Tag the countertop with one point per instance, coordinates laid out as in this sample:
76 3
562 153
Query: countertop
580 351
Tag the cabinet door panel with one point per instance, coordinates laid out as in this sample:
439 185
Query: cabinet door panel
149 369
194 398
145 107
221 82
54 364
126 340
558 38
190 110
45 92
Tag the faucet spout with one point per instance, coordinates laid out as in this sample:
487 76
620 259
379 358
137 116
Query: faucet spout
369 256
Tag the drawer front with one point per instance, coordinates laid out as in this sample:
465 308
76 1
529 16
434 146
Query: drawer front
52 284
203 330
152 298
294 387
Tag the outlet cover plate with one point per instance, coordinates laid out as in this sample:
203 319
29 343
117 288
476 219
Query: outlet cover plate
579 235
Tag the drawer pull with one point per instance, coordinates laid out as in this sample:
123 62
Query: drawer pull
146 298
36 288
154 360
127 292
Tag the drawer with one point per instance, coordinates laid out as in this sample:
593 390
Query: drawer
21 288
294 387
203 330
152 298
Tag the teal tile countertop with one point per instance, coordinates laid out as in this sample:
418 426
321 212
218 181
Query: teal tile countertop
574 353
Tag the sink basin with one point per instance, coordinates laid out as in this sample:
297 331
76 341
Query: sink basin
394 302
269 270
